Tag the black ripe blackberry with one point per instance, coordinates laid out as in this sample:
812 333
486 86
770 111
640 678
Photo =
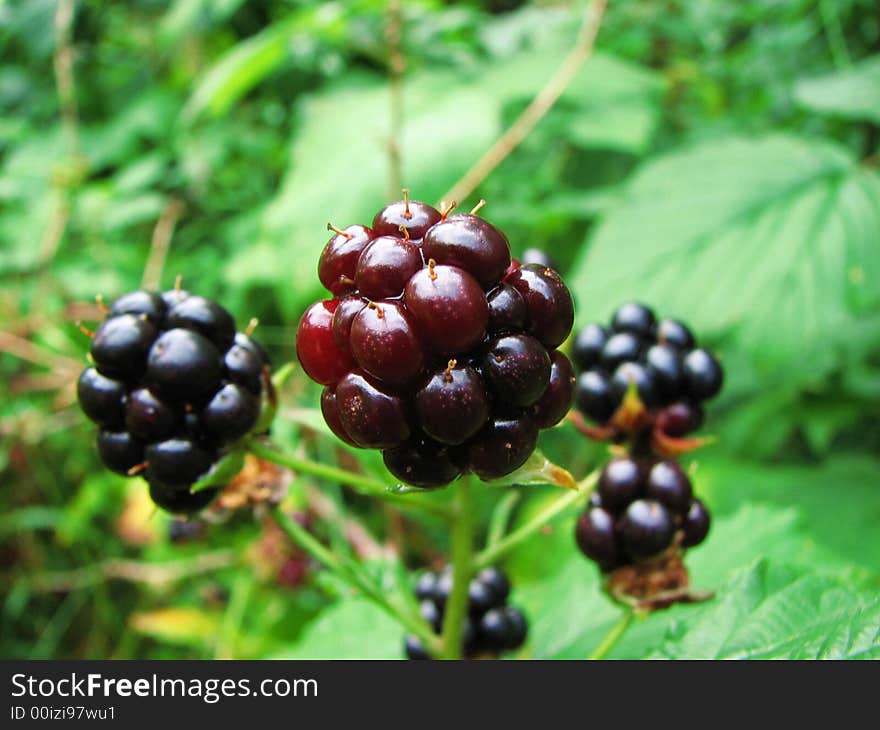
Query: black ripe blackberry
172 387
658 359
436 347
491 627
642 509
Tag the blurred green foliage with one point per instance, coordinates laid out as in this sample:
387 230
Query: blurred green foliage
716 160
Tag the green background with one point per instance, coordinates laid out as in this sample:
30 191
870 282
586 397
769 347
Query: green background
717 160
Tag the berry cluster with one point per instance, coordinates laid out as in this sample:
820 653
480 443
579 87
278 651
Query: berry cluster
671 375
491 625
437 348
172 386
640 509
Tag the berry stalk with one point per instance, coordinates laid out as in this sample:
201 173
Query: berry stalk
614 635
497 550
374 487
462 570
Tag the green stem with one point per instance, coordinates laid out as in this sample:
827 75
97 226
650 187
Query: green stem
462 555
614 635
494 552
362 482
347 573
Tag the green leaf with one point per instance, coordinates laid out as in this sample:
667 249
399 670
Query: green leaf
762 614
239 70
537 470
769 245
352 628
852 94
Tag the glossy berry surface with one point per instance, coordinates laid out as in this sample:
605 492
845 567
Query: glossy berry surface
384 343
316 348
492 625
416 217
453 405
470 243
449 307
102 399
620 482
205 316
696 524
385 265
121 344
426 354
372 417
646 528
641 508
551 310
595 536
556 401
338 263
672 376
517 369
184 387
179 500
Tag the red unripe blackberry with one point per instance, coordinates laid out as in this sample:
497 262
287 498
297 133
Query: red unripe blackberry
551 310
372 417
507 310
557 398
385 265
426 355
316 348
470 243
330 411
338 262
452 406
385 345
449 307
413 215
348 308
517 368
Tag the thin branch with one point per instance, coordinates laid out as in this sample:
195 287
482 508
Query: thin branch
396 67
153 574
540 105
27 350
160 243
64 82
